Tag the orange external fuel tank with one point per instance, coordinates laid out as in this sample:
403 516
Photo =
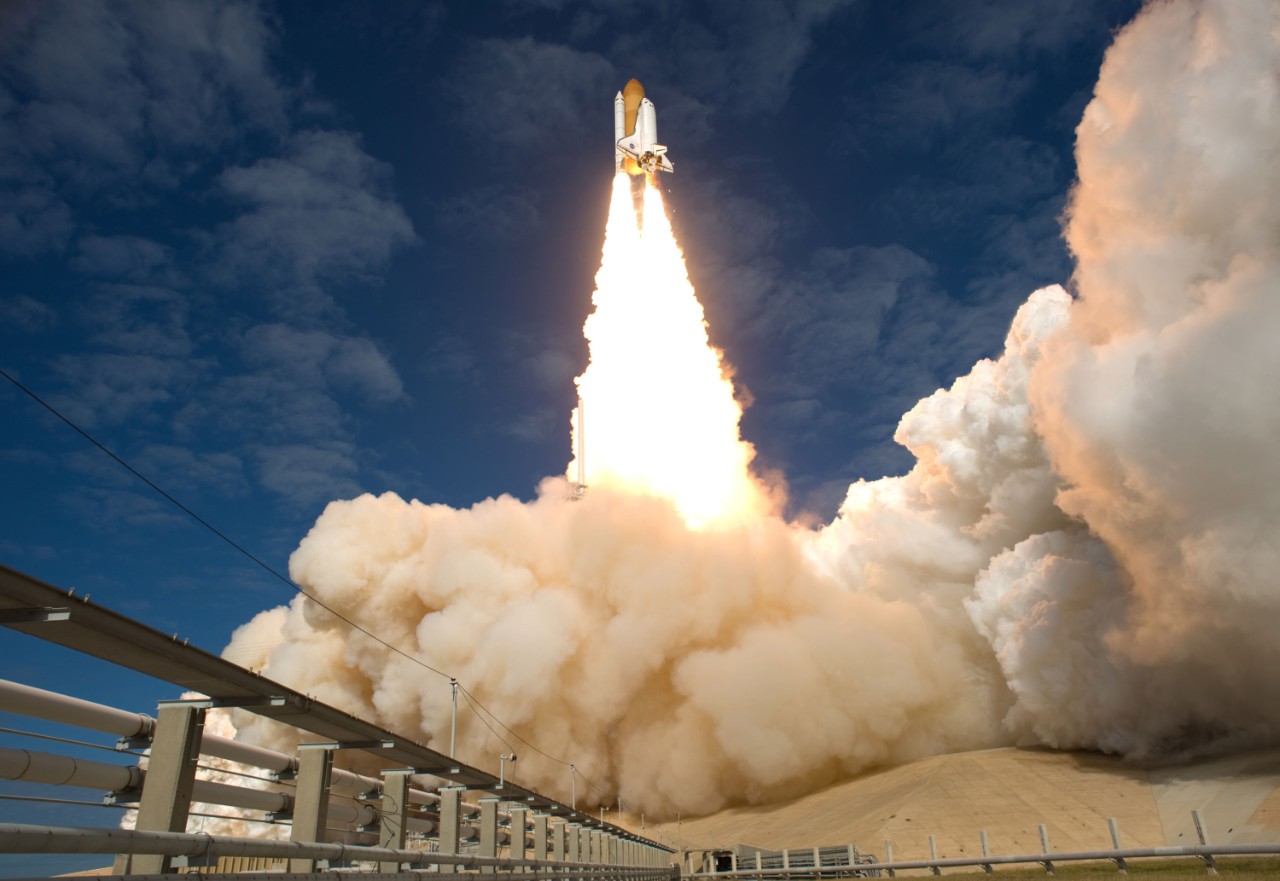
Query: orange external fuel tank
632 95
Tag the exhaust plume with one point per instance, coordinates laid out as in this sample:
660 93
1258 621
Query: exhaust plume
1083 555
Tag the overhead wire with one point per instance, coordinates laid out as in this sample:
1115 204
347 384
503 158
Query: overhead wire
269 569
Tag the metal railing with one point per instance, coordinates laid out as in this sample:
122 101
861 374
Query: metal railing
200 849
1204 852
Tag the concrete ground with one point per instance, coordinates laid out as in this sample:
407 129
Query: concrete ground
1009 793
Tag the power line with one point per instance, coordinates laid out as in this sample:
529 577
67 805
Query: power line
466 695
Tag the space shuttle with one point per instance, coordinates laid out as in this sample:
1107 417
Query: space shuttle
635 133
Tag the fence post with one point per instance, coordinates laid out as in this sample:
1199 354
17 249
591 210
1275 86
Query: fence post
1044 848
888 857
1115 844
1211 865
986 851
933 855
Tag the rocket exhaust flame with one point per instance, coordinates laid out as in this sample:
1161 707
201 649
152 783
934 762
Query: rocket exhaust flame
663 416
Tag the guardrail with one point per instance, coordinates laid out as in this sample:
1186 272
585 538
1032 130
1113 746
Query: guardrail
1204 852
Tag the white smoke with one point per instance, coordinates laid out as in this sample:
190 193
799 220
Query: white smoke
1084 554
1157 405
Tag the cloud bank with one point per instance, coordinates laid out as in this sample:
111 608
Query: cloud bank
1081 557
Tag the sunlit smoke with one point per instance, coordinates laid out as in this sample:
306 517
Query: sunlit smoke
660 413
1082 556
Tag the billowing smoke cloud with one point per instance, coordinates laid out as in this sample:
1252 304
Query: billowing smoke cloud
1155 632
1083 556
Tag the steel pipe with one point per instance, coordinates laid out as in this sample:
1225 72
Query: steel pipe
241 797
37 703
53 707
23 838
37 767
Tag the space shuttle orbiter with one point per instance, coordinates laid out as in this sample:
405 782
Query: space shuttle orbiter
635 133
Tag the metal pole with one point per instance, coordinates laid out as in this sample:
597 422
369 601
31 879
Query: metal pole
573 787
453 728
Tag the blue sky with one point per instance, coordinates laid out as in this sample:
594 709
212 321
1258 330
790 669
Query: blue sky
274 254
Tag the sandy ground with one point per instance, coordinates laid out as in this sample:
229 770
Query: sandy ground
1009 793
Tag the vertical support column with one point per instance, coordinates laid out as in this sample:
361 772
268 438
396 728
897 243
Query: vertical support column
166 792
575 842
539 836
395 811
519 827
888 857
933 855
597 846
488 831
558 851
450 819
986 851
311 802
584 844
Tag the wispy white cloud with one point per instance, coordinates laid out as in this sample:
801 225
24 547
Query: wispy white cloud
27 314
323 210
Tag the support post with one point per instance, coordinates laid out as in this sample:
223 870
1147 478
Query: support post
166 791
395 812
986 851
539 836
311 803
1210 864
575 842
559 852
597 846
488 831
1044 848
519 827
1114 828
888 857
450 819
933 855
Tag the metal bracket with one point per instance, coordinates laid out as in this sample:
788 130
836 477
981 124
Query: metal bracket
34 615
209 703
350 744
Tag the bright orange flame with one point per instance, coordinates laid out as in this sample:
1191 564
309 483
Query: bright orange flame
660 413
